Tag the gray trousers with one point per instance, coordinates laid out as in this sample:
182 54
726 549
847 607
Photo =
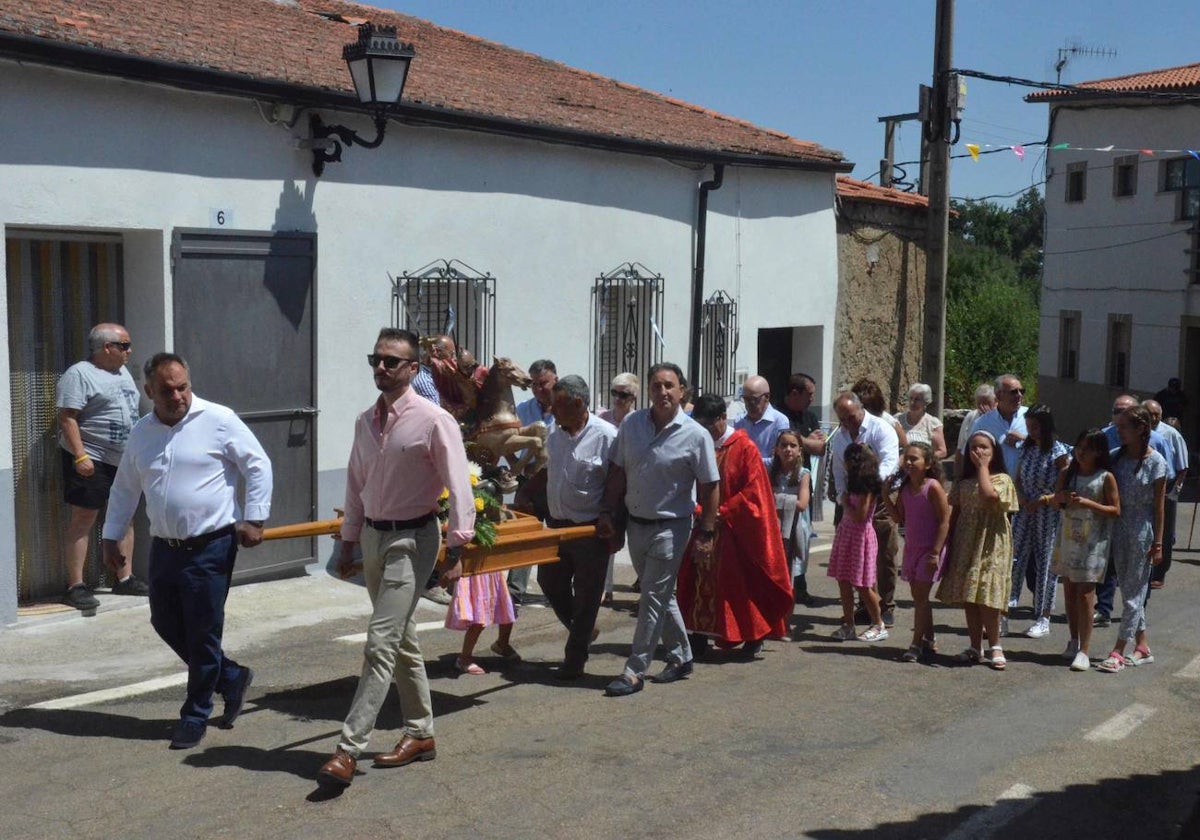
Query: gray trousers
396 565
656 551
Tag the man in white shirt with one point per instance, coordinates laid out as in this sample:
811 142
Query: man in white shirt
857 425
762 421
187 457
578 448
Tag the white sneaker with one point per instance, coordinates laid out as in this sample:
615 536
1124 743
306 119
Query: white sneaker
1071 649
1012 603
1039 629
1081 662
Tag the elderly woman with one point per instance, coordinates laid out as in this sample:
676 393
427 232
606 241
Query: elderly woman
919 425
624 392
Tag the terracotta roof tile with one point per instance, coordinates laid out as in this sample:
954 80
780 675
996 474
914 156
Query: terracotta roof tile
1170 80
299 42
856 190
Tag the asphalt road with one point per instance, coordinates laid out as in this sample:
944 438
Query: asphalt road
814 739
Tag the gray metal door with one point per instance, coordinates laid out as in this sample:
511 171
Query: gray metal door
244 320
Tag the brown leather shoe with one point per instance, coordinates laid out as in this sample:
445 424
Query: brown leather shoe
409 749
339 770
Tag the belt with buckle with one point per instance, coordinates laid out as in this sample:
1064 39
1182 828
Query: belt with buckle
194 543
401 524
641 520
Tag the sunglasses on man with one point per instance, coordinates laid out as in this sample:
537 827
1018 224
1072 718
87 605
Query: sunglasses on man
389 362
621 395
122 345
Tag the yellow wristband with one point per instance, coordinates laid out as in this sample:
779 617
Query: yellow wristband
82 458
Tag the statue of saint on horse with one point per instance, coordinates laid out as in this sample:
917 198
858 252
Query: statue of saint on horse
481 399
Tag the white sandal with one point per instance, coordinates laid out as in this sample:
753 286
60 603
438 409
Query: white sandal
997 661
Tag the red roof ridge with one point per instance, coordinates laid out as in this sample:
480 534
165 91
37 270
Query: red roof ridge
1125 76
1179 77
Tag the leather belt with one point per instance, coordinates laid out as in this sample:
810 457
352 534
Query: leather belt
194 543
551 522
663 521
401 524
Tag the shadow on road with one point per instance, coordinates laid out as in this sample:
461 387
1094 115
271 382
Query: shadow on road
1143 806
91 724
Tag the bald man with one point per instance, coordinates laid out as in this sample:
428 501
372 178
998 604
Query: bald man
762 421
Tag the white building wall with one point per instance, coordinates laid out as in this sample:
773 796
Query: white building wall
88 153
1088 265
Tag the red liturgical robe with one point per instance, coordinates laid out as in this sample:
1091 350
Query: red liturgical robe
743 591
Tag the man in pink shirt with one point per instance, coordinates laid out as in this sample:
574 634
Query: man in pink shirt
406 450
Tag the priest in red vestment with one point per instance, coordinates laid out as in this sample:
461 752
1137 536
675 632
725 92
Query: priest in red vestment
740 591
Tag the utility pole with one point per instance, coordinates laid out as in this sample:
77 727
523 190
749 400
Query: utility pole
937 133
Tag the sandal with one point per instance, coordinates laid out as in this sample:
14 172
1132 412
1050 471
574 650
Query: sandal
930 644
505 651
1113 664
874 633
969 656
468 667
911 655
1141 656
997 661
844 633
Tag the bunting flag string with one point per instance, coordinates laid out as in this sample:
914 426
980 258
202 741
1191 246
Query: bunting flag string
977 149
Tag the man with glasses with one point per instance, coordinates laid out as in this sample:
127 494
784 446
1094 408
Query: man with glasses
97 403
762 421
405 451
1006 422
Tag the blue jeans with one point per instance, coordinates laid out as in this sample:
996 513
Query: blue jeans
187 610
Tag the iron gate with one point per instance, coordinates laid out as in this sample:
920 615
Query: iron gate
718 346
627 331
451 298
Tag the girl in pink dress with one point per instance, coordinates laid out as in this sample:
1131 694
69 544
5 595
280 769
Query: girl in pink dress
923 508
480 600
852 558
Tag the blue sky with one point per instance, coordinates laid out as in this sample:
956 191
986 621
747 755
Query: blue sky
825 71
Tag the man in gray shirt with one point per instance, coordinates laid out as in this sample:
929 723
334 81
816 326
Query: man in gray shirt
659 455
97 403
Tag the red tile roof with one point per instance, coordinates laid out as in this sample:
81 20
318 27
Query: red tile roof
299 43
1171 80
855 190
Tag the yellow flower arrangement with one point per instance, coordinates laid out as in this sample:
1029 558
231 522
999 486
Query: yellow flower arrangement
485 503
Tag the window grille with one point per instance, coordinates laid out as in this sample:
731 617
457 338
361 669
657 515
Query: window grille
627 331
451 298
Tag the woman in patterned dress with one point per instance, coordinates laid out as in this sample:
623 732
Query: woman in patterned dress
979 568
1035 527
1137 535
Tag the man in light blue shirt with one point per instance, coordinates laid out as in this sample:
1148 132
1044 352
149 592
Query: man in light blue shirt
762 421
1005 422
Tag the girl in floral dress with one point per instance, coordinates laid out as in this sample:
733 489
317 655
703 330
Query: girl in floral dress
1141 475
852 558
979 568
1087 495
1035 527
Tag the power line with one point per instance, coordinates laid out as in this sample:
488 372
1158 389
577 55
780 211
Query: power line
1114 245
1090 91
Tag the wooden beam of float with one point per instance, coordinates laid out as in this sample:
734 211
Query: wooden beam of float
521 541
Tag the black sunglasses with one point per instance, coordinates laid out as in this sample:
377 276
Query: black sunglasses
389 362
621 395
124 345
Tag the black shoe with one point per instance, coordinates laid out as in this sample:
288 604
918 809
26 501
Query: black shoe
568 673
674 671
188 734
1101 620
889 618
752 649
132 585
236 697
623 686
81 598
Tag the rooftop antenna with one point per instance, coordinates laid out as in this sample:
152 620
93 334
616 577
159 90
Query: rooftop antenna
1068 52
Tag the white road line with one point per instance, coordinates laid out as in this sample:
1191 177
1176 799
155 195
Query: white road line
118 693
1009 805
1190 671
359 638
1121 724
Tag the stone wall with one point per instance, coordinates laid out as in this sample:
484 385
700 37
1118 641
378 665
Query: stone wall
881 296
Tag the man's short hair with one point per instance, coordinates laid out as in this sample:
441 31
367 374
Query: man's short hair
672 367
1000 379
707 408
850 397
100 335
574 387
800 378
159 359
542 366
396 334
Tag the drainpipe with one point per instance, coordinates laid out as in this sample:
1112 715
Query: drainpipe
693 370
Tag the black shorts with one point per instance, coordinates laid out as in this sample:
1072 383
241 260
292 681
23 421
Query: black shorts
90 493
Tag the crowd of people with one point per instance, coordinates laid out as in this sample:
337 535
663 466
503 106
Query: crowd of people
717 516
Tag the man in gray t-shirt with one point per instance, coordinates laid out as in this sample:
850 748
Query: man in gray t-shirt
97 403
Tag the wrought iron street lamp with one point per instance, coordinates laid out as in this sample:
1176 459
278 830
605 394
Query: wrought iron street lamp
378 63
